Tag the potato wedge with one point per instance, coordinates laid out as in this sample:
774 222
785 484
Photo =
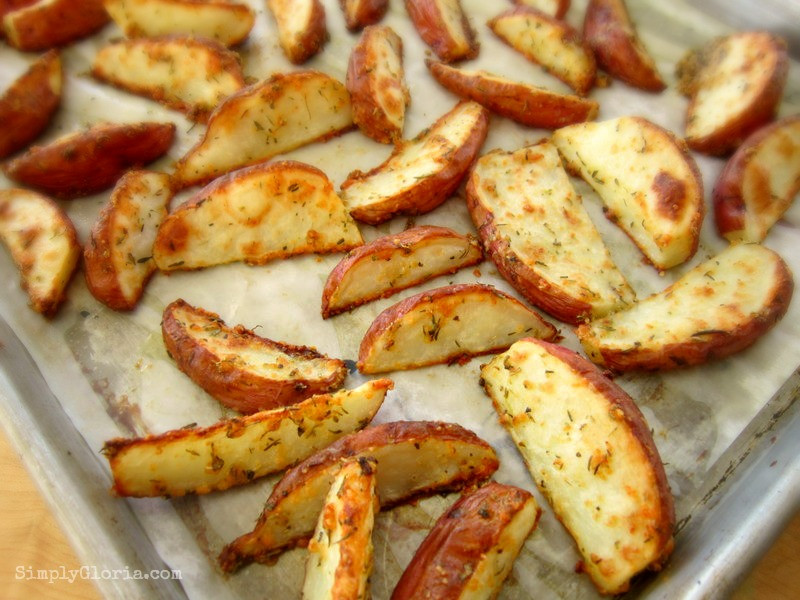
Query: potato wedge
236 451
395 262
86 162
258 213
720 307
534 227
444 26
192 75
43 244
649 183
361 13
219 20
340 551
471 549
553 44
610 33
280 114
7 6
447 325
301 27
591 454
415 458
242 370
30 103
527 104
759 182
735 85
421 173
377 85
50 23
554 8
118 258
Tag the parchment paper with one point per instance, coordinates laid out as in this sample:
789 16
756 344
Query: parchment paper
113 377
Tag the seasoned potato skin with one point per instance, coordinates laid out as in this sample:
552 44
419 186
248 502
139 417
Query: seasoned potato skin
429 22
48 24
302 45
91 161
561 6
30 103
360 13
235 387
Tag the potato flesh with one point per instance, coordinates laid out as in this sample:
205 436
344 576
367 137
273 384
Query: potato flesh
582 456
453 21
389 84
548 7
623 159
537 210
292 18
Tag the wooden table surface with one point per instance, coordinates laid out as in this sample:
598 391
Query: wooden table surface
30 537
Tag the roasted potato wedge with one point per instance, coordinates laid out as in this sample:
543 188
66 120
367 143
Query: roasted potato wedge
759 182
242 370
446 325
301 27
49 23
395 262
377 85
527 104
649 183
258 213
340 551
471 549
219 20
275 116
443 25
236 451
7 6
534 227
735 85
360 13
591 454
415 458
720 307
554 8
118 258
43 244
421 173
192 75
553 44
610 33
86 162
30 103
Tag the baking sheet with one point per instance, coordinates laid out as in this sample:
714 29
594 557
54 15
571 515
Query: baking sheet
111 375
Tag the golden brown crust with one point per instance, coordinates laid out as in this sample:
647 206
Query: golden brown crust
299 46
360 13
30 103
429 19
47 24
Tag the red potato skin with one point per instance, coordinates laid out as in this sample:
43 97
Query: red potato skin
235 388
608 30
563 7
367 12
458 541
91 161
30 103
519 102
354 444
7 6
382 249
427 20
728 197
56 24
429 192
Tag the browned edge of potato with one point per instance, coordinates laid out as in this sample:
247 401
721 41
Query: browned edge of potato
199 460
267 375
472 546
29 103
759 182
526 104
90 161
717 309
361 13
7 6
376 83
591 454
554 8
415 458
447 325
393 263
421 173
300 40
50 23
610 33
118 257
443 25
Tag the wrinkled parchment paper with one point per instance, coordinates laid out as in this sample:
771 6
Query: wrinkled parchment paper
113 377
